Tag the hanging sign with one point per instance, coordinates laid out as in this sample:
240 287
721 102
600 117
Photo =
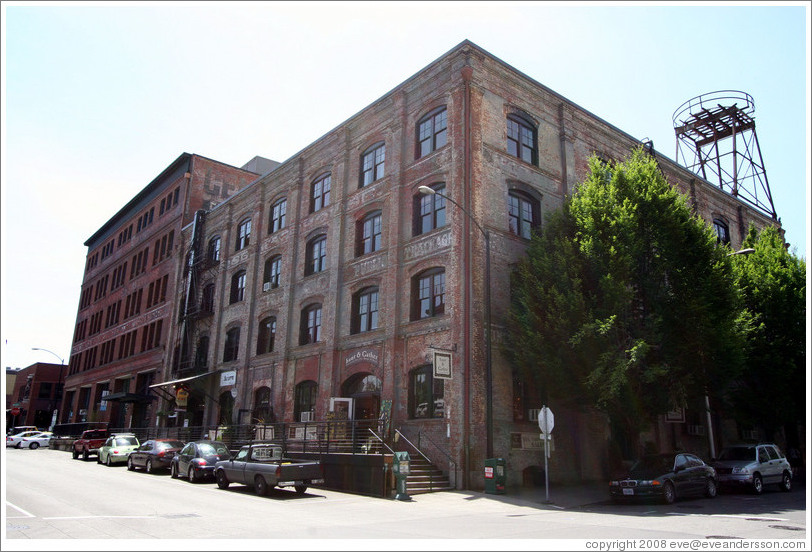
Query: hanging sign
181 397
442 365
228 378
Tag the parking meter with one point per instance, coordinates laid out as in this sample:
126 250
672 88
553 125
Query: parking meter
400 467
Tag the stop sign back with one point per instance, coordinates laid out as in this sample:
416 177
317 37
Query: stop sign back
546 420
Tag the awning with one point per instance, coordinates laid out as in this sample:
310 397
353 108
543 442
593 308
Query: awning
190 378
128 397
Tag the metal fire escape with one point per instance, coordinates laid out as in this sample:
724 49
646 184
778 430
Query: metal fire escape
716 139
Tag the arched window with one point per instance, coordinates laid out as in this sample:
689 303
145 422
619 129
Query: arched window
722 231
263 411
431 132
320 193
364 311
266 336
428 210
304 406
426 398
237 287
316 255
232 345
310 324
524 213
214 250
202 352
207 299
521 139
243 235
368 234
278 212
372 164
271 274
226 401
428 294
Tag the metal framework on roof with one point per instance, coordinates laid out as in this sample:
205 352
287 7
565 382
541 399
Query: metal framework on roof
716 139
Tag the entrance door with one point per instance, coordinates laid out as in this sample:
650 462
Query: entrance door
365 390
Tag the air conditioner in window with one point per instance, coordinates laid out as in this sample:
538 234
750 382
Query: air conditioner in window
266 286
306 417
533 414
696 429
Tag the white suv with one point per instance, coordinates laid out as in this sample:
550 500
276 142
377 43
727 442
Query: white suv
753 466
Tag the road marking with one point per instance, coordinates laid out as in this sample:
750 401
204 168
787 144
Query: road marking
19 510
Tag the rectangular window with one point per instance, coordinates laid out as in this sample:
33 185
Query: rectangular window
372 165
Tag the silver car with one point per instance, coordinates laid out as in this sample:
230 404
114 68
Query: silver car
753 466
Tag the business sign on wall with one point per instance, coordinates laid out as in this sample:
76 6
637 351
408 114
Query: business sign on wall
364 355
228 378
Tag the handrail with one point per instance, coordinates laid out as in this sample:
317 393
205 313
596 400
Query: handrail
413 446
381 440
448 456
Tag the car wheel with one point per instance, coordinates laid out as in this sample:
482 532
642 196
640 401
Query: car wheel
149 466
222 480
109 462
260 485
75 454
130 465
300 489
85 455
758 484
669 495
786 482
710 488
173 471
34 446
19 445
191 474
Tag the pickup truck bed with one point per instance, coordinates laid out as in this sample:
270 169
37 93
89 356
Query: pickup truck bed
262 466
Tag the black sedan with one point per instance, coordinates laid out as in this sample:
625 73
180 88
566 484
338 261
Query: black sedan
196 460
665 477
154 454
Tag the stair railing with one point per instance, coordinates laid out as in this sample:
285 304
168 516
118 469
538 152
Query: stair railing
452 465
420 452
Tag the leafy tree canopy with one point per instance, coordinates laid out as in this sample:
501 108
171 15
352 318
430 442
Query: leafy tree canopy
625 301
771 390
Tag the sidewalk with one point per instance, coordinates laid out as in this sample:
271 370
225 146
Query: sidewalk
560 496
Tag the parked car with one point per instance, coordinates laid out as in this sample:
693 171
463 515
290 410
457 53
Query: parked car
666 477
197 459
753 466
89 443
42 439
154 454
117 448
262 466
16 440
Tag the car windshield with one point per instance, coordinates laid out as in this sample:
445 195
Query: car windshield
163 445
124 441
207 449
738 453
652 466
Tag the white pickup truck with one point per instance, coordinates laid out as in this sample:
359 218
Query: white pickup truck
262 466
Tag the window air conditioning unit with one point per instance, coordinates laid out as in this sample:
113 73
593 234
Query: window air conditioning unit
306 417
533 414
266 286
696 429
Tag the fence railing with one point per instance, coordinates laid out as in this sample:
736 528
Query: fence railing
334 437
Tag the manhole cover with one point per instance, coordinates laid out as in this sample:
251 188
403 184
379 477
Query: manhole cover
787 527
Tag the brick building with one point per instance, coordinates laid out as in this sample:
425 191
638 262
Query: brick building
332 281
35 392
128 290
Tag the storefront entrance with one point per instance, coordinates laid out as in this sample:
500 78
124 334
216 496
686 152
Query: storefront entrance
365 390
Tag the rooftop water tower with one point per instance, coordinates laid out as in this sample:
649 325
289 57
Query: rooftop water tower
716 139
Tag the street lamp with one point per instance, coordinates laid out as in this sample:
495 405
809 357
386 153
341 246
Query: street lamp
58 385
425 190
711 440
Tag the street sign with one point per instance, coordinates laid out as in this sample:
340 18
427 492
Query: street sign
15 411
546 420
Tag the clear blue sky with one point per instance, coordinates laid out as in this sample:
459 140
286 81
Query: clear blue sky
100 98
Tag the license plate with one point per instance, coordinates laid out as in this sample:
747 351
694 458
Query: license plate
317 482
628 491
287 483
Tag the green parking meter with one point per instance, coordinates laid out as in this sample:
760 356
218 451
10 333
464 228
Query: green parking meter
400 466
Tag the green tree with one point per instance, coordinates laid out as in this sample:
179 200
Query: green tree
625 302
771 391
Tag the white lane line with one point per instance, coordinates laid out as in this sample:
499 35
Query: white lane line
27 514
100 517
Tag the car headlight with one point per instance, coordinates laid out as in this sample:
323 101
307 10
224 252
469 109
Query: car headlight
742 471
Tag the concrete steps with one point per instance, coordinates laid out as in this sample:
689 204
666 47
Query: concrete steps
425 478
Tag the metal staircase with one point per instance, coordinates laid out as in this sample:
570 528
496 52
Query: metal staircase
425 477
